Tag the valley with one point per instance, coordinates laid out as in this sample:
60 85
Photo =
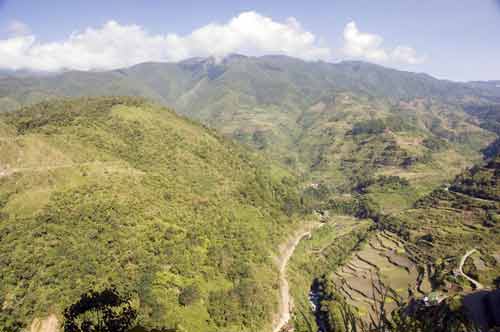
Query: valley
280 195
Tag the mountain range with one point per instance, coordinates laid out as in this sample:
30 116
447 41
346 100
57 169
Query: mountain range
175 182
301 113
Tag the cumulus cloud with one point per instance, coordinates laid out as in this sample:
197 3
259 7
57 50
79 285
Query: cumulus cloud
363 45
369 46
407 54
114 45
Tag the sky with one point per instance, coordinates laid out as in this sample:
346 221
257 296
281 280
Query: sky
450 39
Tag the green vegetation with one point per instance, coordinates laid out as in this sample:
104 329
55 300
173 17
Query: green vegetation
411 316
369 127
335 123
480 182
388 183
104 311
118 192
104 192
323 253
444 225
417 249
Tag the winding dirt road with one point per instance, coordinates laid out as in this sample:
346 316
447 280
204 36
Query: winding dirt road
461 270
286 252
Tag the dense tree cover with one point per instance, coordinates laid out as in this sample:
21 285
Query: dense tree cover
119 192
440 228
488 113
383 182
301 113
370 127
492 150
435 144
184 220
320 256
401 121
480 181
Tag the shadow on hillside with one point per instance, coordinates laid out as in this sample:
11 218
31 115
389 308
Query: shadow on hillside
143 329
483 308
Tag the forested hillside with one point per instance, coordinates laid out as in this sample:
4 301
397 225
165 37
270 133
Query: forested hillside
119 192
335 123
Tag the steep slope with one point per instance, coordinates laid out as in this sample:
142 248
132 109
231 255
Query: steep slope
349 135
119 192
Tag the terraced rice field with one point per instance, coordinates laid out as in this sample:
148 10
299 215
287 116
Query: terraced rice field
382 259
318 255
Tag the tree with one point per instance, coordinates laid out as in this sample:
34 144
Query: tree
189 295
104 311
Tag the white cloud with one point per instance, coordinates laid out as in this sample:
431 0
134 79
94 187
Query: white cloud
368 46
363 45
114 45
407 54
17 28
250 33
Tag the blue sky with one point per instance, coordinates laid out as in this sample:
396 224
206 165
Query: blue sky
457 40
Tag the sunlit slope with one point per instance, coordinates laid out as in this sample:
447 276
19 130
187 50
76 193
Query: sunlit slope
449 222
119 192
333 122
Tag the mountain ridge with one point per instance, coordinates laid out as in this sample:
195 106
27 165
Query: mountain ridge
355 66
288 108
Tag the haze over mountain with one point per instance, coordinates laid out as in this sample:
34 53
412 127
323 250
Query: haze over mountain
173 83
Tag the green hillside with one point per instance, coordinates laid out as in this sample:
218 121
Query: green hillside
444 225
412 253
119 192
186 222
314 117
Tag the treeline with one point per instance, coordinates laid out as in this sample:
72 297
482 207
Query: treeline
480 181
395 123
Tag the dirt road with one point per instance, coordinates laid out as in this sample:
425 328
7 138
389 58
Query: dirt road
286 252
101 164
460 269
49 324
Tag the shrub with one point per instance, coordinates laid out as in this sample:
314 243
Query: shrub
371 127
189 295
435 144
